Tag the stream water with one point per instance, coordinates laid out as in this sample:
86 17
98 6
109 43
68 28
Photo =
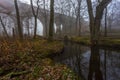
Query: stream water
91 63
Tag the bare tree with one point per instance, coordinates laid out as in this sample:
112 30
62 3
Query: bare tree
35 14
45 17
105 34
51 24
4 28
78 17
27 26
18 20
79 12
96 21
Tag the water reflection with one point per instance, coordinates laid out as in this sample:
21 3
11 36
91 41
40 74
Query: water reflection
91 63
94 65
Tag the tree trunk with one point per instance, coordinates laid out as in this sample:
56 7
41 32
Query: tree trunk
35 28
18 20
4 28
105 23
79 16
35 14
28 26
91 19
45 19
13 32
51 24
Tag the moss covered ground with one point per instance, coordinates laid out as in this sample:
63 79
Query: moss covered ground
108 42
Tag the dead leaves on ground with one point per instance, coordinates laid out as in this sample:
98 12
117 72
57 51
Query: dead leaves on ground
23 56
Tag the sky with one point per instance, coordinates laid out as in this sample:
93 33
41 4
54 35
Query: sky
7 4
28 1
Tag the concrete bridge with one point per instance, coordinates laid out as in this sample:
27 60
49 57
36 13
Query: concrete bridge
67 22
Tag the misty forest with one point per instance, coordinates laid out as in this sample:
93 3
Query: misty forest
59 39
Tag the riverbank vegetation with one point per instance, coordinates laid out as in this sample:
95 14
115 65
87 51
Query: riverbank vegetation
29 60
105 41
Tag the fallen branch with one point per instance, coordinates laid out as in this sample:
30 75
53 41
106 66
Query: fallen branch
15 74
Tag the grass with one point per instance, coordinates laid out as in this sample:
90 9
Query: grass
109 42
81 40
29 60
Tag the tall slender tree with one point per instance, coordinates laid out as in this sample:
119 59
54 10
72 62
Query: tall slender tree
105 22
78 19
45 18
51 24
20 31
4 28
35 14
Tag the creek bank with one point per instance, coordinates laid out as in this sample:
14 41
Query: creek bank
104 42
29 60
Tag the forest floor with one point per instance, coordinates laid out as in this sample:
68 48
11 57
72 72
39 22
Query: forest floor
29 60
104 42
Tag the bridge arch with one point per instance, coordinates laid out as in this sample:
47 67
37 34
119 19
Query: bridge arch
28 25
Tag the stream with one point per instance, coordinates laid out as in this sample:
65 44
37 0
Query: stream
91 63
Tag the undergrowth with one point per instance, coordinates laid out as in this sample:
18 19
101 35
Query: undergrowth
29 60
